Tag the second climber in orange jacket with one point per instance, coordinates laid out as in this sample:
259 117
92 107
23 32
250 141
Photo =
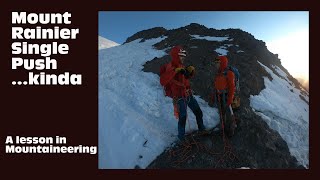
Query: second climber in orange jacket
177 77
224 83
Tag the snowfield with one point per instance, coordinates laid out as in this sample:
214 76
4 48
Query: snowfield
283 110
136 121
106 43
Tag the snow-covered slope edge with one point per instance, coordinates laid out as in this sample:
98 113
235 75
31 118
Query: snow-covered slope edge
136 121
106 43
283 110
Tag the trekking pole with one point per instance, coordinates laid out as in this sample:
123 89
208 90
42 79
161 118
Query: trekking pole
221 117
232 115
230 108
187 120
233 119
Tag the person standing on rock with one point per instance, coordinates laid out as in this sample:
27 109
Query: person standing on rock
224 90
175 78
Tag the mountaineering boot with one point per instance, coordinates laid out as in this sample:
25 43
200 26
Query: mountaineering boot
203 131
183 141
199 115
181 137
201 128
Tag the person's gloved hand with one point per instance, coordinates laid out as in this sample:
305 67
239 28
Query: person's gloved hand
180 70
190 69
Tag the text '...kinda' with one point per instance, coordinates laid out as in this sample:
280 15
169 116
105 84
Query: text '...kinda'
23 45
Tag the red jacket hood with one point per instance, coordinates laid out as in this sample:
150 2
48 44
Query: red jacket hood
175 57
223 63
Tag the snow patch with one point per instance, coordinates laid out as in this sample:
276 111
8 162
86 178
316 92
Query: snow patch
222 51
210 38
280 72
284 111
228 45
284 75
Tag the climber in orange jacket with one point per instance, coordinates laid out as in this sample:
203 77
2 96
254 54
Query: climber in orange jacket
224 88
224 79
175 77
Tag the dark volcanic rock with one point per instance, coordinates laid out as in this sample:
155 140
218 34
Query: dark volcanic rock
148 34
254 143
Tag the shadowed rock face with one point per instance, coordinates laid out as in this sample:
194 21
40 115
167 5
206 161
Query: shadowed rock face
256 145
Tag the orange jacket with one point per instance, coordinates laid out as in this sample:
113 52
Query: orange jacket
178 83
225 83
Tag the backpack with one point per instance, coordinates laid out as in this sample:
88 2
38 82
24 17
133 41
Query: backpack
166 88
236 101
236 78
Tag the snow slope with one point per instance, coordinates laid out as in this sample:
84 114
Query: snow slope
283 110
106 43
136 121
